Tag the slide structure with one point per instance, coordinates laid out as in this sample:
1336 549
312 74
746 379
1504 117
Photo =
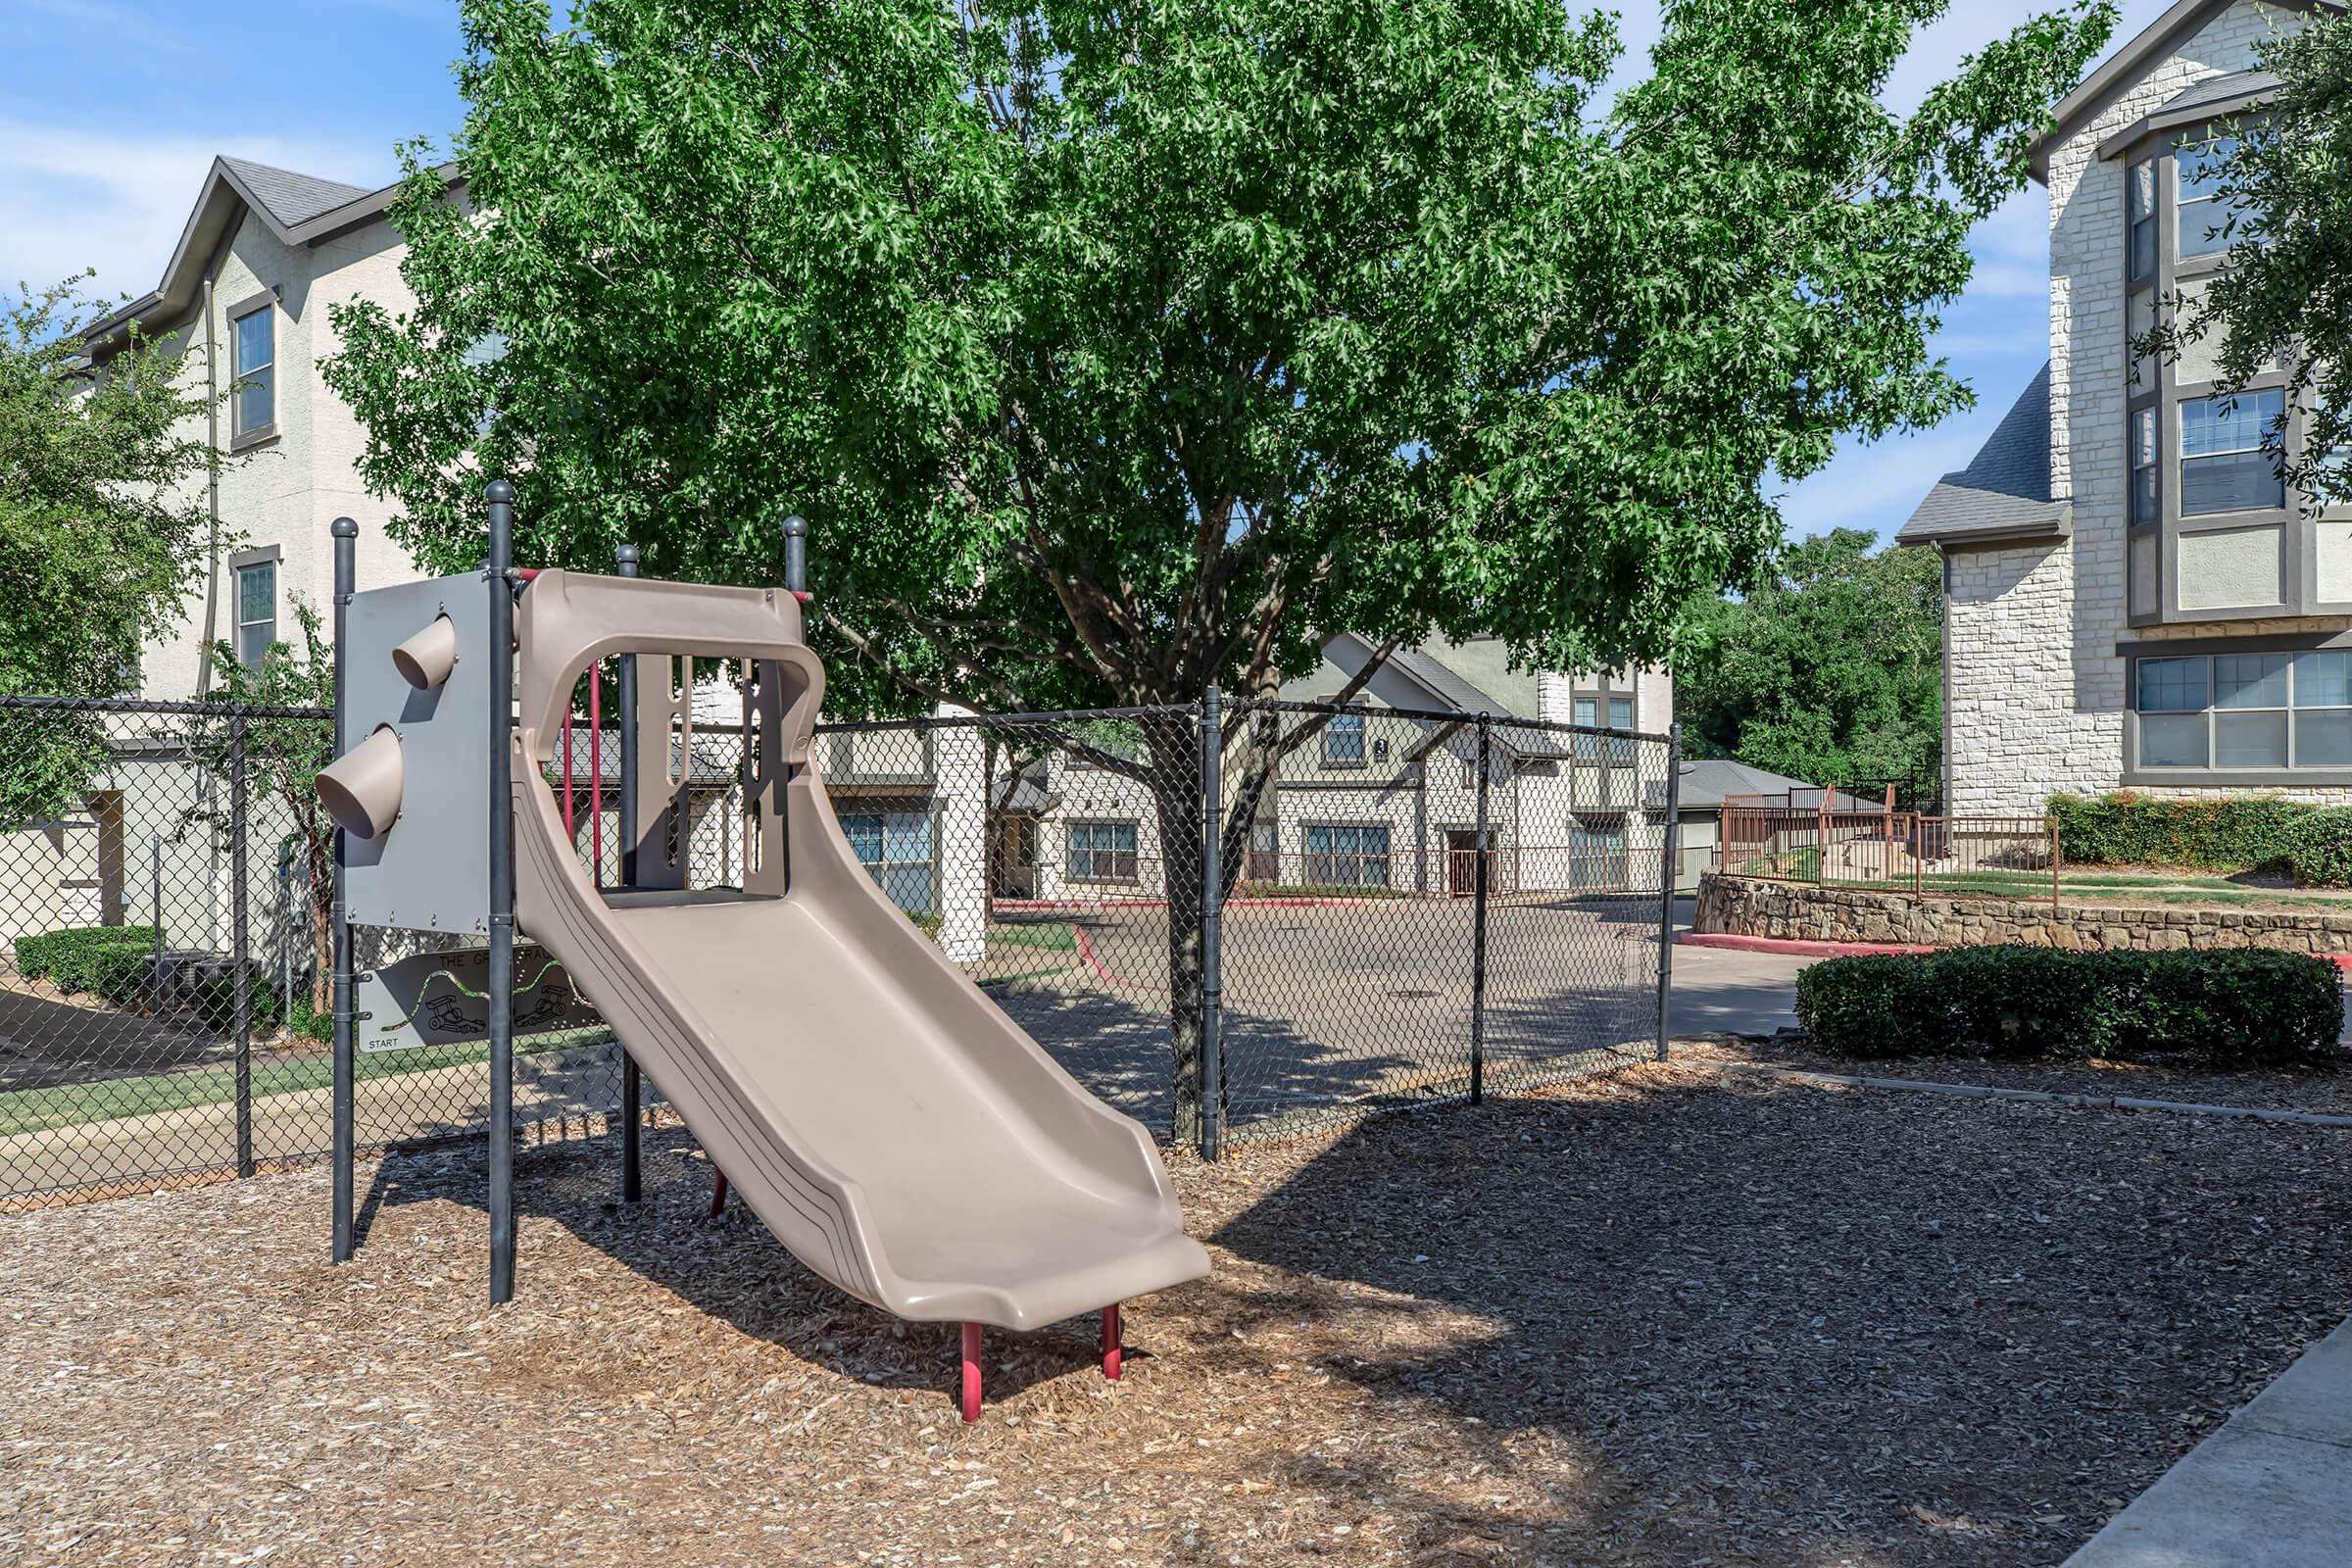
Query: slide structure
881 1115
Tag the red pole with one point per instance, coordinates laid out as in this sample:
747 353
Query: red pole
596 771
1110 1341
970 1397
719 1192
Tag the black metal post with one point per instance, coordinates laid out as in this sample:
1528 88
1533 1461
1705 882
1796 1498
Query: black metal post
1669 875
1477 922
501 497
346 533
239 941
632 1092
796 552
1212 924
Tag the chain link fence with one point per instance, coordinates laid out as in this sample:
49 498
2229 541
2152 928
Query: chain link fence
1405 907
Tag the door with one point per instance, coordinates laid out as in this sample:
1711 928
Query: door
1265 853
1461 862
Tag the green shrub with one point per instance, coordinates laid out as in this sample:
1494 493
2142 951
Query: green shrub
2229 1008
106 960
2237 833
2318 848
928 923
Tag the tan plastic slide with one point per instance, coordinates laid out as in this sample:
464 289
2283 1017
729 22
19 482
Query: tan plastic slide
896 1131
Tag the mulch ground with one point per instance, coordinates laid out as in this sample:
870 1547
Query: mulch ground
1669 1317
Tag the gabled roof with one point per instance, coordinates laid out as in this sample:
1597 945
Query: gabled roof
2139 55
2193 105
2003 495
298 210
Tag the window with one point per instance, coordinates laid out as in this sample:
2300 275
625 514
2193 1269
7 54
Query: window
895 848
1344 741
1587 710
255 340
2205 224
2144 466
2245 710
2222 466
1101 851
2142 200
1347 855
1596 859
256 612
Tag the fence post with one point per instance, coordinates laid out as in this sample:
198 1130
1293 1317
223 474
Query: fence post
1671 873
1212 924
1821 840
155 901
2053 821
1478 921
239 939
632 1184
501 497
346 532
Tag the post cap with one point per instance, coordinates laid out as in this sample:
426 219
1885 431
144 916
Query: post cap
796 526
344 528
499 493
627 556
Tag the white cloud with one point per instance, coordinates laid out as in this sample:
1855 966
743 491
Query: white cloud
72 199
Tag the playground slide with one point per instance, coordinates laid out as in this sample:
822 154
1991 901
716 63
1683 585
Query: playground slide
886 1120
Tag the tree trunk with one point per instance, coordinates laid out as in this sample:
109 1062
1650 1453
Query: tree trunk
1176 793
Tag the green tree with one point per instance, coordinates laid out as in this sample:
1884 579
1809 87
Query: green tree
1830 670
1117 347
282 759
2286 298
102 530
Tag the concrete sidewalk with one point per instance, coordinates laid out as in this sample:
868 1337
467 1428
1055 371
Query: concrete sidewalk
2272 1487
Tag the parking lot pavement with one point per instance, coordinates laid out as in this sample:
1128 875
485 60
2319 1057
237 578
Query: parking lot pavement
1722 991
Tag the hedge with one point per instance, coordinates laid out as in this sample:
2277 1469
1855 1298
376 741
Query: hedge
107 960
2238 833
2229 1008
2317 848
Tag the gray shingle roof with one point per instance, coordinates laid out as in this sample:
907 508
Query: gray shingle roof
1709 780
2004 492
2218 89
292 198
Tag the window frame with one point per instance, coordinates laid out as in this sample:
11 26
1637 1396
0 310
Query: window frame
883 811
2299 656
1091 876
1360 728
242 435
1359 855
240 566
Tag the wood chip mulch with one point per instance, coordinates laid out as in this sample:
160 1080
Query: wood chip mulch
1671 1316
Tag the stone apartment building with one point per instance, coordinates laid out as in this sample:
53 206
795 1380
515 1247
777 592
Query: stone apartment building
2132 596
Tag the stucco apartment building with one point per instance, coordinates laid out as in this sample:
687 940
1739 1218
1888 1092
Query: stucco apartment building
2132 596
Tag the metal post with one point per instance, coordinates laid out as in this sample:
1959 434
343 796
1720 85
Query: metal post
239 954
501 497
1478 921
346 533
155 901
1212 924
1670 874
2053 867
632 1113
796 554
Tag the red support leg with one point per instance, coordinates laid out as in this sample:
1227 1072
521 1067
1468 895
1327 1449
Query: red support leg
972 1372
1110 1341
718 1192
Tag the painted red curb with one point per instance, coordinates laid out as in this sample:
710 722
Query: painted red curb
1099 905
1793 946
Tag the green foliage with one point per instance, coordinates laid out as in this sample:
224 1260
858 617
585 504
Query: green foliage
1830 670
2283 299
2317 848
2229 1008
2231 833
928 922
1113 349
101 540
104 961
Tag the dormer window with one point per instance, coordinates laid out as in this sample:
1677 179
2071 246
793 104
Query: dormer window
2204 225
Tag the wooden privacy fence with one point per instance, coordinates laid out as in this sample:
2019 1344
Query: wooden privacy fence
1840 841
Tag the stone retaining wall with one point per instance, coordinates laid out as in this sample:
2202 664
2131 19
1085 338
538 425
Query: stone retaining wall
1751 907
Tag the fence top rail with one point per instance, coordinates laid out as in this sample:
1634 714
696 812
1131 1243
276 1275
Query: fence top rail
1441 715
1067 715
141 705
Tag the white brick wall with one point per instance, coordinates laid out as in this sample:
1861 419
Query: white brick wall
2035 689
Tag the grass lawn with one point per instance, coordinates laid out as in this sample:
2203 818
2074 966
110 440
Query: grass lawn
32 1111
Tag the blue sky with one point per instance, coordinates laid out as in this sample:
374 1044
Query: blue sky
115 109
